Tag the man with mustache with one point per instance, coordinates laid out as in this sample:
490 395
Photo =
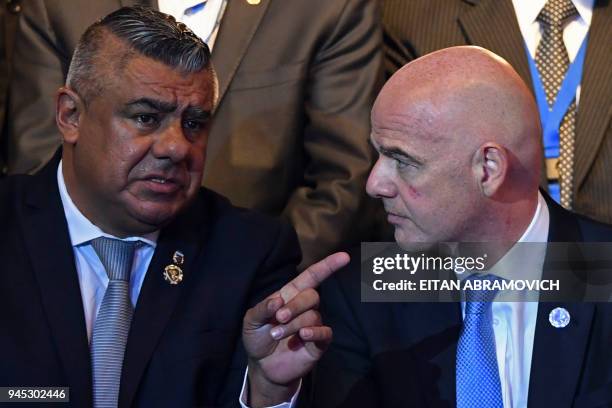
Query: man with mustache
122 278
458 138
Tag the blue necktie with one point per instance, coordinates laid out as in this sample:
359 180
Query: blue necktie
478 383
112 325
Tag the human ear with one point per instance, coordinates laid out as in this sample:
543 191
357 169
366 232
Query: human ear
68 108
490 166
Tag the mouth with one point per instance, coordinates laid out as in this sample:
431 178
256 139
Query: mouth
394 218
162 184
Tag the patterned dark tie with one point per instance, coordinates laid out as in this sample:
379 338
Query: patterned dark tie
478 383
112 325
552 61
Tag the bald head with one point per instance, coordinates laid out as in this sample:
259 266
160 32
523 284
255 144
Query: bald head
464 97
464 124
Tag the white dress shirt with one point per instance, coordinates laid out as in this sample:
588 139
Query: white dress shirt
574 32
202 17
514 322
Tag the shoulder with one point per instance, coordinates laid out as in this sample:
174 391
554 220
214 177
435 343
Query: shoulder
223 214
567 226
12 190
589 230
248 232
593 230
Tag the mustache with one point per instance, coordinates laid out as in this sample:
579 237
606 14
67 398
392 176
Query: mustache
164 169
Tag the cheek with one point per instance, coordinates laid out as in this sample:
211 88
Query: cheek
411 196
413 192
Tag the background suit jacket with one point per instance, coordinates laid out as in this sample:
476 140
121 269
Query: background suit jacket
387 355
416 27
9 16
290 136
184 346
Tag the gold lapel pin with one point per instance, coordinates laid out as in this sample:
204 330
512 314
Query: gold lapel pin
253 2
173 274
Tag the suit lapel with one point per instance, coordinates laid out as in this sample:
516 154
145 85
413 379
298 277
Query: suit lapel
492 24
432 346
158 298
54 268
594 110
238 27
446 321
558 353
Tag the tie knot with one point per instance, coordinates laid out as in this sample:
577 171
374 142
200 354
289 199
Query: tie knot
479 301
555 12
116 256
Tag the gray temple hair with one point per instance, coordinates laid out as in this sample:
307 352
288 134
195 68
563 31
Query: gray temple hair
145 31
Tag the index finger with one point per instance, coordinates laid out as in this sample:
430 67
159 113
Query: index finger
314 275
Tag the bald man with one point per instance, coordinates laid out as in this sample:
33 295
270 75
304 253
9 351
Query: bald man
457 133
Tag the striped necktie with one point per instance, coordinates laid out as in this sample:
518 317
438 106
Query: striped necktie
112 325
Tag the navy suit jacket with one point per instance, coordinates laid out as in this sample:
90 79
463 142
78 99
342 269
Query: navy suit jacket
184 346
403 354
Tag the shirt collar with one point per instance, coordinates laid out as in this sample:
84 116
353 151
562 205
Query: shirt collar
80 229
527 11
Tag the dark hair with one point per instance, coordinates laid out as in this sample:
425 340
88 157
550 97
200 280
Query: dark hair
144 31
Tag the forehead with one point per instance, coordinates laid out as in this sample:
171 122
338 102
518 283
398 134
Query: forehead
410 125
144 77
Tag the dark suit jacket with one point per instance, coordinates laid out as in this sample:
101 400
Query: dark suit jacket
184 346
290 136
387 355
416 27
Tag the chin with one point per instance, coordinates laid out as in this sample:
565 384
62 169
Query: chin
412 243
154 217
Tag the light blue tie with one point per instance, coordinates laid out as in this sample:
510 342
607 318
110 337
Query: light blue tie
111 328
478 383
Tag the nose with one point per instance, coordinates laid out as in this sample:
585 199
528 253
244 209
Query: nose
172 144
380 182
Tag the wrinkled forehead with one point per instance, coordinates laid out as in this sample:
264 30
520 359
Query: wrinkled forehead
143 77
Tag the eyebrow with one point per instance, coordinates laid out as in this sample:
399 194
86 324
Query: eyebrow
395 152
194 112
168 107
161 106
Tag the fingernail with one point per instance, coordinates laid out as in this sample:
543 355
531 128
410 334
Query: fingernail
273 304
306 333
283 315
276 333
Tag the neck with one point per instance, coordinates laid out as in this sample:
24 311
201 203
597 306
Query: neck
504 225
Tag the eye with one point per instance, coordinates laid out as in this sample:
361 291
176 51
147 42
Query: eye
193 125
146 120
400 164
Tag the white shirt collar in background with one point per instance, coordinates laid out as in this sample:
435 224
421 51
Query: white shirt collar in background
574 32
203 21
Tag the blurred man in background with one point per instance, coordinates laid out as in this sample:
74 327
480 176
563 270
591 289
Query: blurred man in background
542 40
